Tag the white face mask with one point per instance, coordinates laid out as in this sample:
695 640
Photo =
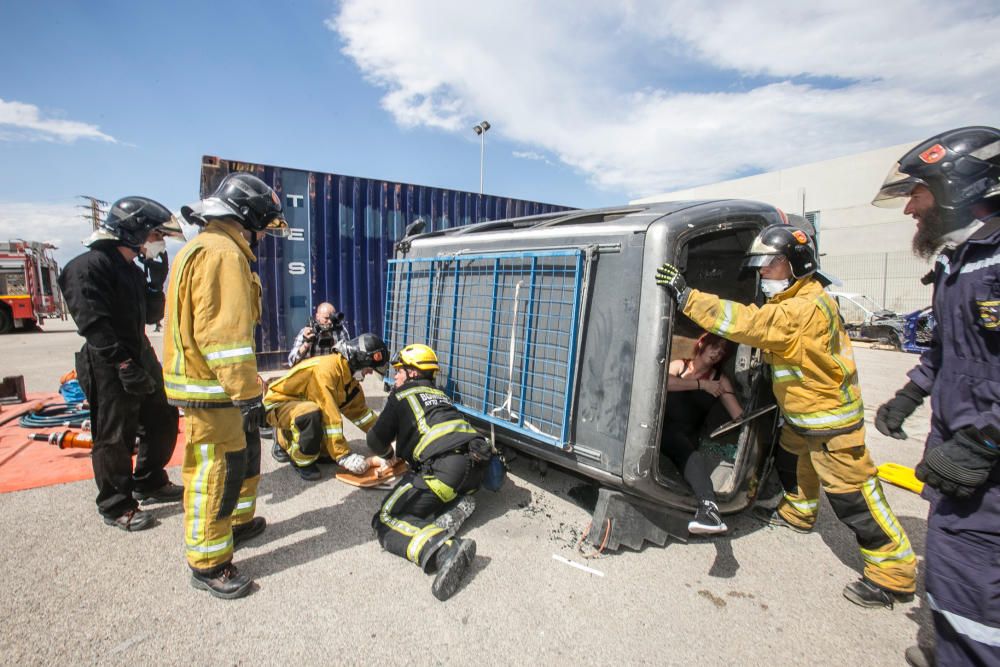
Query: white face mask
359 376
152 249
772 288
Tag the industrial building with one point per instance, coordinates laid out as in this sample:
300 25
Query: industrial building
867 247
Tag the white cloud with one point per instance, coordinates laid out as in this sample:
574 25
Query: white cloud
654 95
25 121
58 223
530 155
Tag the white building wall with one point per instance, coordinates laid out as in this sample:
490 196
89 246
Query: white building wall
866 246
841 190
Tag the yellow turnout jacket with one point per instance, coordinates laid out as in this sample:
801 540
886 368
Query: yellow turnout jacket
814 377
328 382
213 305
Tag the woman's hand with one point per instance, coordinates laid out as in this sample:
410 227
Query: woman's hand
713 387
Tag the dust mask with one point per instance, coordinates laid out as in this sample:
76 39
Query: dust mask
152 249
772 288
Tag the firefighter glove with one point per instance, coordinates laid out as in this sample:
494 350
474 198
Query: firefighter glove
480 450
961 465
156 270
135 379
890 416
669 276
254 415
354 463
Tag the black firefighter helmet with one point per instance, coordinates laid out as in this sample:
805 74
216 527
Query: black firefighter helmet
780 240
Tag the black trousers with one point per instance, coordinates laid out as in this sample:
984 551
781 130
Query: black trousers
681 447
117 418
405 522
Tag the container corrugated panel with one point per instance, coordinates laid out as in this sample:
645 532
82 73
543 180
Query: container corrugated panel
343 231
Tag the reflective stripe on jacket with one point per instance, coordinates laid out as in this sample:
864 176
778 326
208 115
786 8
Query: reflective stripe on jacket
328 382
423 422
814 377
213 305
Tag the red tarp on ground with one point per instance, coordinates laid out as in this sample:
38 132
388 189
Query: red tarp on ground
28 464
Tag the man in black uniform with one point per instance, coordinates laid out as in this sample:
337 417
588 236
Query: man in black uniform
447 458
111 301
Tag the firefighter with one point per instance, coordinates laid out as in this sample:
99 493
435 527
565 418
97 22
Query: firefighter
951 186
308 404
420 516
210 369
815 383
111 302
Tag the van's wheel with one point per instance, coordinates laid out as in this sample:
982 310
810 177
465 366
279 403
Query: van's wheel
6 320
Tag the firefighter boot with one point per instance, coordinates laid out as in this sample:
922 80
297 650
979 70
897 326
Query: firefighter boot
309 473
223 582
248 530
771 517
132 521
453 519
168 493
453 560
279 454
866 594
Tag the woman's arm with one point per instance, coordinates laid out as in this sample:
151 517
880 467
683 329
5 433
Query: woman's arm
676 383
728 398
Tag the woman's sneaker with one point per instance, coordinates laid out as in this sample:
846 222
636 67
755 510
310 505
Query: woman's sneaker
707 520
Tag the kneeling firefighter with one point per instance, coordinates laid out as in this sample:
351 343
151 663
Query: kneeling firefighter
815 384
308 405
447 457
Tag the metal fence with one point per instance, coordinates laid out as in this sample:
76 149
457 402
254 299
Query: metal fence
891 279
515 319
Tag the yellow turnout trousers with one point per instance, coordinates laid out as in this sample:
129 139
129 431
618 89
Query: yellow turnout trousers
842 466
218 493
300 430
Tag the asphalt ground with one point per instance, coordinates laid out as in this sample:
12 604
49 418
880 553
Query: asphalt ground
74 591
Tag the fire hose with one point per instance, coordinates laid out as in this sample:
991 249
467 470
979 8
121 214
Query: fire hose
55 414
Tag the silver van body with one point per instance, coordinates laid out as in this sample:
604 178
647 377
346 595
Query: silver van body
554 337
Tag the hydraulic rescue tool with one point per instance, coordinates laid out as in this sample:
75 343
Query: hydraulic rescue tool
65 439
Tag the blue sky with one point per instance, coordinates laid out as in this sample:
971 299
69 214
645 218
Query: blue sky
592 103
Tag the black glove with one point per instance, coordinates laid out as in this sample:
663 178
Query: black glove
961 465
670 277
891 414
480 450
135 379
254 415
156 270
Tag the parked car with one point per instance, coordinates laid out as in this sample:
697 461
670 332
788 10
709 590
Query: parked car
866 320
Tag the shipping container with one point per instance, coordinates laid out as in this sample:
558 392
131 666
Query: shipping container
343 232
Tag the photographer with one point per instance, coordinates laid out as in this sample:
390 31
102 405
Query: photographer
323 332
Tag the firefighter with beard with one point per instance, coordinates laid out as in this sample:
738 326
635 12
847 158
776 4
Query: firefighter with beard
815 384
308 404
951 186
111 303
447 456
210 369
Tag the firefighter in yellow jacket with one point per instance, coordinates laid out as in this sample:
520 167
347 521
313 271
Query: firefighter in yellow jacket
308 404
210 369
815 384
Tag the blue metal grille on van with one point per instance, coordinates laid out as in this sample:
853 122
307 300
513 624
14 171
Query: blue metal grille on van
505 328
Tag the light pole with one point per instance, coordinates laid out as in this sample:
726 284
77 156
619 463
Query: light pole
480 129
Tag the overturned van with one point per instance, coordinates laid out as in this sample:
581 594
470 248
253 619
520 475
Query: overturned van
554 338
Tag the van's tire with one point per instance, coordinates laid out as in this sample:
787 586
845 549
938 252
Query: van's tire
6 319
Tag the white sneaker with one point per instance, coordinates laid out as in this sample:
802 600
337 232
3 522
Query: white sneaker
707 520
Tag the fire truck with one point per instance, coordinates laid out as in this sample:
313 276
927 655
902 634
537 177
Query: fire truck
28 290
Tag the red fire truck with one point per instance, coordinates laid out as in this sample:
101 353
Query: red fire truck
28 290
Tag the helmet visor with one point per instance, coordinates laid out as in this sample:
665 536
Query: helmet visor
171 228
757 261
278 228
896 188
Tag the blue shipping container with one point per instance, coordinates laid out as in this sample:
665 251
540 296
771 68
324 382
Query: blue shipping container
343 231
